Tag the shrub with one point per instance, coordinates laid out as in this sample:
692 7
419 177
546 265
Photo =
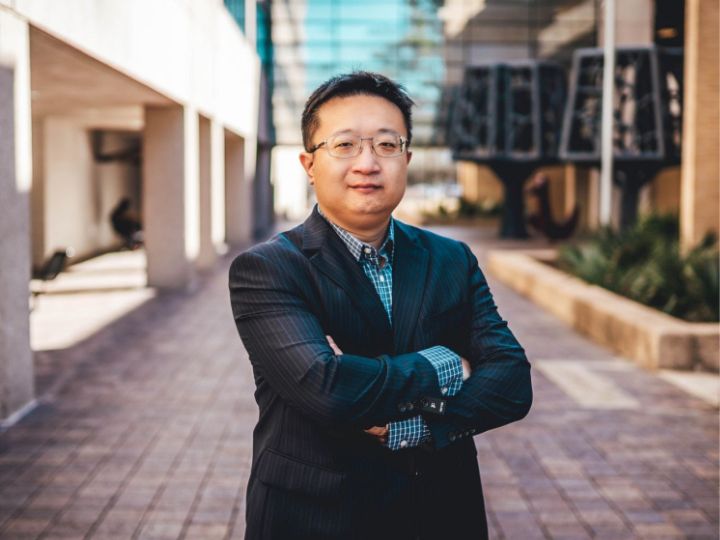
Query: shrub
644 263
484 208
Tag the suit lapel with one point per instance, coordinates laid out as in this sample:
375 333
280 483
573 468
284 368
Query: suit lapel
410 267
329 255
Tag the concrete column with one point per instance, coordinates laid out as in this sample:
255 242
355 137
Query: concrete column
171 206
479 183
634 22
699 196
578 191
217 190
70 209
16 361
292 195
207 254
238 220
251 22
593 198
212 192
263 195
570 187
557 186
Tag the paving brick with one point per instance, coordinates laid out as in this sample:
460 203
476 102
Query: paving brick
119 522
657 530
25 525
567 532
206 531
157 530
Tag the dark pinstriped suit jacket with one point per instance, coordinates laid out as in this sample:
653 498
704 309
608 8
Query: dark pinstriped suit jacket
315 473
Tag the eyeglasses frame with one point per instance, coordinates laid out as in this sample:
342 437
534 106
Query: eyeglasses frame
403 147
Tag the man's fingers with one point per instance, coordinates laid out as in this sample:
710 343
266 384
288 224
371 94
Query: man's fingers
465 368
379 432
333 345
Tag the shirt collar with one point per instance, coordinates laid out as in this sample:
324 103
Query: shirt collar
360 250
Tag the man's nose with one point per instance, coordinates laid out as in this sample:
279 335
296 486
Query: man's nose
366 161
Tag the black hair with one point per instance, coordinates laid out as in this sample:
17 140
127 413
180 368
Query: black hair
353 84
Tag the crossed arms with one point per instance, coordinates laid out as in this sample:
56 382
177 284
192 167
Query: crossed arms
287 346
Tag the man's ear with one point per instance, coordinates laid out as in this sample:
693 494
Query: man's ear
307 160
408 153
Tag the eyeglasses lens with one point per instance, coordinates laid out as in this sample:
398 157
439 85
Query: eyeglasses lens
346 146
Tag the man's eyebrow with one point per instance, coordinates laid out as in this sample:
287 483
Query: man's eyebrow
352 131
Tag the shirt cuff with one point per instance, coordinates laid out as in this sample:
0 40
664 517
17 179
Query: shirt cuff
407 433
448 367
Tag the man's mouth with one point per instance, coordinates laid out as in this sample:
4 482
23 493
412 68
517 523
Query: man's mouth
366 187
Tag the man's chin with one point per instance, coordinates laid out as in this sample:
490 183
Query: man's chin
374 213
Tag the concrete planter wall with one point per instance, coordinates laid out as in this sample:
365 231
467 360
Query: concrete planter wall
651 338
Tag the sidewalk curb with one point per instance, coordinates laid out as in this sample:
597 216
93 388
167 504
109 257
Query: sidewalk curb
652 339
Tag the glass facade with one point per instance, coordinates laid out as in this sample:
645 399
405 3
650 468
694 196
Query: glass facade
426 45
423 44
237 10
316 39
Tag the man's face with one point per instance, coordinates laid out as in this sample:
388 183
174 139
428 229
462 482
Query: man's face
361 191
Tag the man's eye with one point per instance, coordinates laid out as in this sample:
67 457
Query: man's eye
343 144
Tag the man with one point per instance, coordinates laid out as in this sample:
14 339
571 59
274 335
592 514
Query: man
358 328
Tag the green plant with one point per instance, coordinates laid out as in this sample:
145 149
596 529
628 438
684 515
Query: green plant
644 263
484 208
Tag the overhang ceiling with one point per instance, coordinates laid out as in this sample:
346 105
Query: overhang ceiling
66 80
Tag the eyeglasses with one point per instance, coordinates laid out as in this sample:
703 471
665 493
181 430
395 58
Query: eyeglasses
347 145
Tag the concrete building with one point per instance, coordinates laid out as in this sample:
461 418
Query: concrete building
156 102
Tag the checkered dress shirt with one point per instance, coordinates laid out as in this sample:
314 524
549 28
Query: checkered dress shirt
377 265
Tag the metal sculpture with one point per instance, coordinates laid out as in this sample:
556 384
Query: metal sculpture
647 116
508 116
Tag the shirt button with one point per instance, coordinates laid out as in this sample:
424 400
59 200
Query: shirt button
367 250
403 444
444 390
382 279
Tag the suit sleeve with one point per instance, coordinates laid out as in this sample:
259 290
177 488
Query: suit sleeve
288 349
499 390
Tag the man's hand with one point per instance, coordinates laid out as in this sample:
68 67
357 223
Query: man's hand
380 433
333 345
466 368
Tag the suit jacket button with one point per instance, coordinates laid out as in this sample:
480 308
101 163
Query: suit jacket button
452 436
402 407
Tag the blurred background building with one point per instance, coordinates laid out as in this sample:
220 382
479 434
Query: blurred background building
191 110
158 103
429 44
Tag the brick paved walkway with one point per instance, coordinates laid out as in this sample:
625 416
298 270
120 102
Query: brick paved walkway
145 432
